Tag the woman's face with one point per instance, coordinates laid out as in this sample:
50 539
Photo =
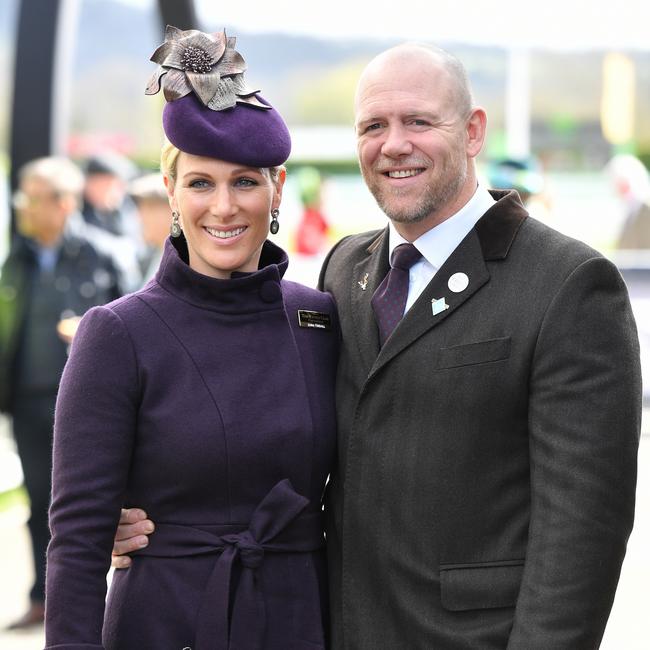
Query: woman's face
224 209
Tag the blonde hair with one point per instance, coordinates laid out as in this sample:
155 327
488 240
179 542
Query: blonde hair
169 161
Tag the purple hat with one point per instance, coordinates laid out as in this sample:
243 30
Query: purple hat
210 112
242 134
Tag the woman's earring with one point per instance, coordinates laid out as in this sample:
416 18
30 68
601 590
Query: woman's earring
175 229
275 226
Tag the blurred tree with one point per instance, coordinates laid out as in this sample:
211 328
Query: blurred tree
326 96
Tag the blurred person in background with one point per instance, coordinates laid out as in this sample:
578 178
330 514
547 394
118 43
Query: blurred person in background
526 177
312 230
154 213
106 203
108 216
49 279
631 183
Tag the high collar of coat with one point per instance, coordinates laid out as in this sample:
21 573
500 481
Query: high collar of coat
496 229
243 292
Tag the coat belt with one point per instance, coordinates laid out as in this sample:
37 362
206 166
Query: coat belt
275 527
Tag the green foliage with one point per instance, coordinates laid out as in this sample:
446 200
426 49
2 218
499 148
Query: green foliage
326 167
644 157
325 95
12 498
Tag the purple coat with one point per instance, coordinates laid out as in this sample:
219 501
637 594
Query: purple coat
207 403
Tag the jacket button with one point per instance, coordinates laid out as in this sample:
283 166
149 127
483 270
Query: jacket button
270 291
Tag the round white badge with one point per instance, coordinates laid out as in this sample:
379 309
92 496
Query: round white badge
458 282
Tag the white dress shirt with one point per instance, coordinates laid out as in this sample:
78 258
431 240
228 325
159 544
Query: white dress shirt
437 244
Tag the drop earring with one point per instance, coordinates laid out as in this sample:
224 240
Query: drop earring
175 229
275 225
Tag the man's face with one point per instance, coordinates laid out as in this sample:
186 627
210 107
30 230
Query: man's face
105 192
41 211
411 142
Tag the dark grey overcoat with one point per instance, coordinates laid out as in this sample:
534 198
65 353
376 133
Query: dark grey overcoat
487 454
206 403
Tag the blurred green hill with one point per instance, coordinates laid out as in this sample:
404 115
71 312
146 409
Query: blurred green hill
312 82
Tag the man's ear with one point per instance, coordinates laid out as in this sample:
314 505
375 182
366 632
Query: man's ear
476 130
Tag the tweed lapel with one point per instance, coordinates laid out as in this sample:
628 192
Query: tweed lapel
490 239
366 277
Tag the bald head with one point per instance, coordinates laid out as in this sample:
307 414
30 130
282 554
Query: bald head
425 60
418 133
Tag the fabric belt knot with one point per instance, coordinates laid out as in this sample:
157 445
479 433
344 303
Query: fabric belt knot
251 554
389 300
278 525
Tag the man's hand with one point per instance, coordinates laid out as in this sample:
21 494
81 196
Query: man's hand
131 535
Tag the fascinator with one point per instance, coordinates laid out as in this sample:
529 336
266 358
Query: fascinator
209 110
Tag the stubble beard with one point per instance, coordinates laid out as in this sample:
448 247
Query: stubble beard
435 196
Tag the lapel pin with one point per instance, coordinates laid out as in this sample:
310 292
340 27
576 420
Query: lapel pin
364 283
458 282
438 305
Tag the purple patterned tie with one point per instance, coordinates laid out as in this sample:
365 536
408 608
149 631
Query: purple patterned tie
389 301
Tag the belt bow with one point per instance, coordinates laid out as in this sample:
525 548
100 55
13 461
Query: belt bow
269 531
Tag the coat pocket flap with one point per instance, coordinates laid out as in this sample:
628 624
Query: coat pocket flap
480 586
473 353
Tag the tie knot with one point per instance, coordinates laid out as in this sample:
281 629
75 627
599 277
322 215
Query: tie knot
405 256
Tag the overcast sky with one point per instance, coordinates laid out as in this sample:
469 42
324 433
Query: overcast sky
558 24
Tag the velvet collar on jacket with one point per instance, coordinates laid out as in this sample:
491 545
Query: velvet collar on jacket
244 292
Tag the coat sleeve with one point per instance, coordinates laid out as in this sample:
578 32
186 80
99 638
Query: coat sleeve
93 438
584 424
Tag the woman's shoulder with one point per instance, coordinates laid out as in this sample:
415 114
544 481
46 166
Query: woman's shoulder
124 313
313 298
134 304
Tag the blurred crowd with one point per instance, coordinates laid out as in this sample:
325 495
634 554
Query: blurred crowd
83 237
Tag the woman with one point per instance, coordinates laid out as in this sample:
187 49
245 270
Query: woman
206 398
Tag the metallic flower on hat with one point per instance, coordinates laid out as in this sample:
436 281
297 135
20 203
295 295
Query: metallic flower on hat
208 64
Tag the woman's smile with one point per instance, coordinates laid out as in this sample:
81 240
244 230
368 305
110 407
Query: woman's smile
230 233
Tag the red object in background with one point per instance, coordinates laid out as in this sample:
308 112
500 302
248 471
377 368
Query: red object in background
311 235
85 145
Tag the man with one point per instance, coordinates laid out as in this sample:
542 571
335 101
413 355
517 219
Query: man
48 279
106 204
631 183
154 214
485 486
108 217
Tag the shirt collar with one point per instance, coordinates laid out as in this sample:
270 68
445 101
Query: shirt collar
438 243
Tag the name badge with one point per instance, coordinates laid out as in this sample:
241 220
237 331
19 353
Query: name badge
315 319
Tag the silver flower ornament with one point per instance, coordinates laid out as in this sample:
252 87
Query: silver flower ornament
208 64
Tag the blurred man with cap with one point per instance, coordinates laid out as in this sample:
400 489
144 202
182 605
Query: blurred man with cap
106 203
